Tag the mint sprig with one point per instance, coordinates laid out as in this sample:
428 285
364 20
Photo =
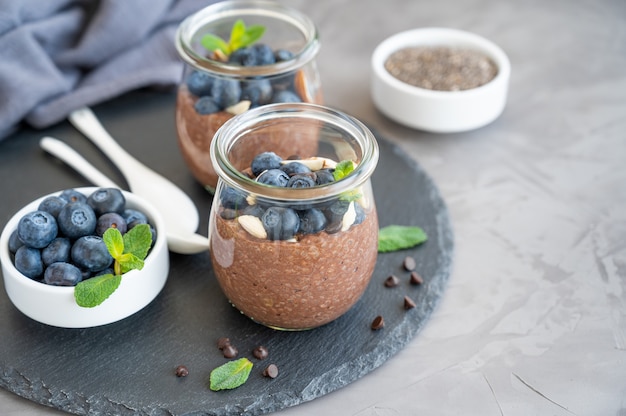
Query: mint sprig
230 375
240 37
128 251
398 237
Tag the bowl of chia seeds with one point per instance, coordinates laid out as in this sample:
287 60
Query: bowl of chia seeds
440 80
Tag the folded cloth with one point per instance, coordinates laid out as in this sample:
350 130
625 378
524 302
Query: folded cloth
59 55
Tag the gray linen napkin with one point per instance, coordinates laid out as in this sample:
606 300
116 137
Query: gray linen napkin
59 55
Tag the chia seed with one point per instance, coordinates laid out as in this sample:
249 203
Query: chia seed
441 68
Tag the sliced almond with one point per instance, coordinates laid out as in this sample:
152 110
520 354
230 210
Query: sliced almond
301 87
251 200
241 107
218 55
253 226
348 218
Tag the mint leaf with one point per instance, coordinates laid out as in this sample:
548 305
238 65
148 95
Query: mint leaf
251 35
92 292
128 262
343 169
398 237
240 37
138 241
114 242
213 43
230 375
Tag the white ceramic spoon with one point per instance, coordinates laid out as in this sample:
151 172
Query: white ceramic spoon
179 240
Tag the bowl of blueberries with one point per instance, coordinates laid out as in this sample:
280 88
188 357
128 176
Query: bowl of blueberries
84 257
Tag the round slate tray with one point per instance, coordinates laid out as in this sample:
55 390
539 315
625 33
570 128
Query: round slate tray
128 367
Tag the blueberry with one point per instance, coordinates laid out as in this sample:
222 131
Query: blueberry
206 105
72 195
264 54
77 219
312 221
52 204
286 96
300 181
360 214
108 270
284 82
90 253
273 177
225 92
199 83
233 198
293 168
244 56
282 55
28 262
105 200
265 161
280 223
57 250
37 229
62 274
14 242
134 217
258 91
255 210
324 176
110 220
336 211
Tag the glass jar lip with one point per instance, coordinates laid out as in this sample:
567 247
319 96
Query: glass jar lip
229 132
190 26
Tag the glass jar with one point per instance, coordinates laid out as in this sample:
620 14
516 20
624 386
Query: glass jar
232 87
293 258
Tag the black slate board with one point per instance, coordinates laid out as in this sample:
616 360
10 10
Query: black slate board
128 367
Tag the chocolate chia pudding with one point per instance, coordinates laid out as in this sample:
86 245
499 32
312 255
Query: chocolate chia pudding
195 132
295 284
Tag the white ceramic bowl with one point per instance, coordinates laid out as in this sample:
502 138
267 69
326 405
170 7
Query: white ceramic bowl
55 305
439 111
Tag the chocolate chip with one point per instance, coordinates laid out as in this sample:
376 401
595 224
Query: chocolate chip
416 279
378 323
408 303
230 351
392 281
271 371
181 371
260 352
223 342
409 263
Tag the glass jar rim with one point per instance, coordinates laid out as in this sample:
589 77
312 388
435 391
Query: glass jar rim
244 123
190 26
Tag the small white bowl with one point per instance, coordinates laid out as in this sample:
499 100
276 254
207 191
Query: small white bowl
439 111
56 306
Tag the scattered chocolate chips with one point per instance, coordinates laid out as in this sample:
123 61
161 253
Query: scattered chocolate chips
223 342
271 371
409 263
408 303
182 371
260 352
392 281
378 323
230 351
416 279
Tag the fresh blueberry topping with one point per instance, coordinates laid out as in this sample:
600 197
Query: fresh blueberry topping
324 176
265 161
110 220
255 210
300 181
105 200
293 168
264 54
14 242
244 57
286 96
72 195
206 105
335 212
76 220
90 253
360 214
62 274
134 217
282 55
232 198
273 177
37 229
57 250
28 262
53 205
312 221
280 223
199 83
257 91
225 92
